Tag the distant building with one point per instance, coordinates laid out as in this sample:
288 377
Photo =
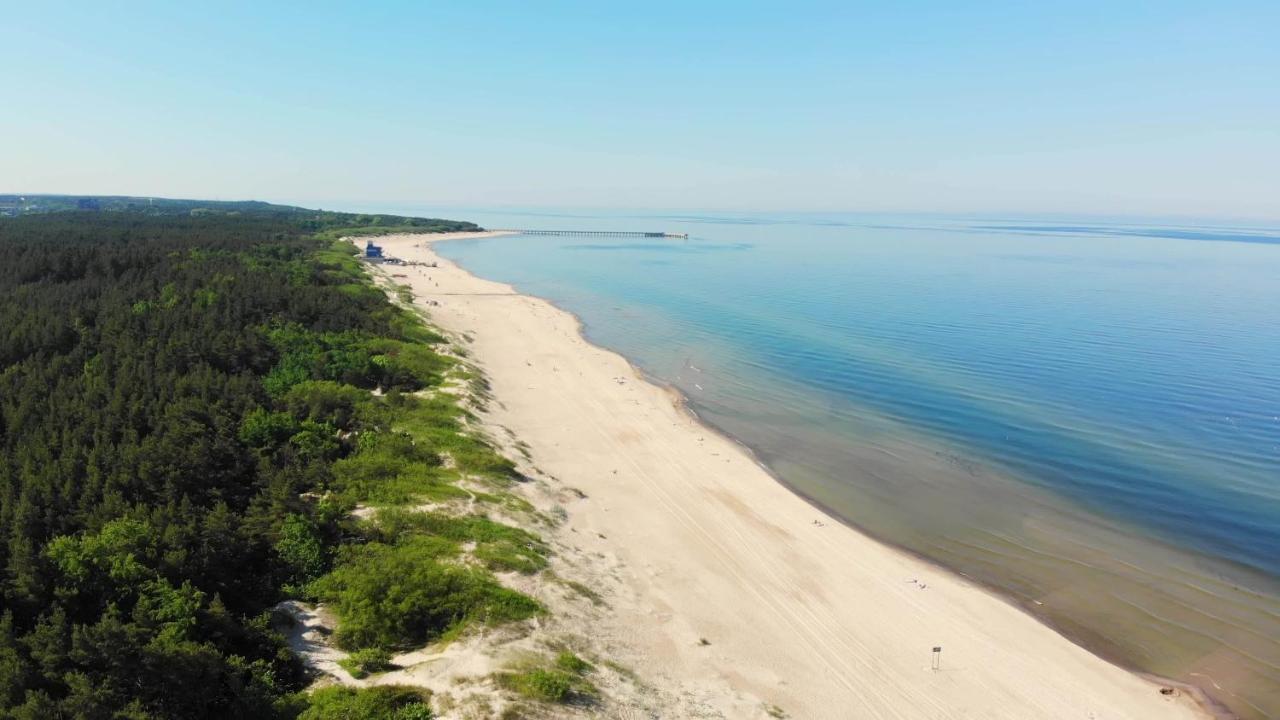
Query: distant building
371 251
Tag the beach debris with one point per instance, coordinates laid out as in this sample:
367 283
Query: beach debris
704 641
935 662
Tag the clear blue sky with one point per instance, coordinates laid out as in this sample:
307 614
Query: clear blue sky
1110 107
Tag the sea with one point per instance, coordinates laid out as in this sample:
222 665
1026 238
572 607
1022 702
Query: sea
1080 414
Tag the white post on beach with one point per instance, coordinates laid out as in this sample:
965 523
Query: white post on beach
936 663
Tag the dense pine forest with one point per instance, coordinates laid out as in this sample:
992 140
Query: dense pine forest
186 421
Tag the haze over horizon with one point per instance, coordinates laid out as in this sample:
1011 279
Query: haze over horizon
1166 110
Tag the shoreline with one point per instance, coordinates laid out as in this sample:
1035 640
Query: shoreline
1115 691
1211 707
1207 704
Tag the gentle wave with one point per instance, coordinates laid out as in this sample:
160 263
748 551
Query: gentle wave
1084 416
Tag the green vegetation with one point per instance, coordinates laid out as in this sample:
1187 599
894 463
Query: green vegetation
562 680
326 224
546 685
373 229
403 449
403 595
569 662
499 547
381 702
188 417
363 663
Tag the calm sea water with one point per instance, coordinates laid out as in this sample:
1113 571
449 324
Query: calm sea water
1085 416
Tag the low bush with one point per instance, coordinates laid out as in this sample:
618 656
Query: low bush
381 702
500 547
561 681
403 595
569 662
392 468
541 684
363 663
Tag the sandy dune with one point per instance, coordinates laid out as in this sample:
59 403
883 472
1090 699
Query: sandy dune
730 589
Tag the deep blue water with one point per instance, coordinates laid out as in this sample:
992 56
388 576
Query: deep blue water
1117 383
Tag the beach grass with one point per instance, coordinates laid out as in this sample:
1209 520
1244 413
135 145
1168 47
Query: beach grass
384 702
404 577
561 679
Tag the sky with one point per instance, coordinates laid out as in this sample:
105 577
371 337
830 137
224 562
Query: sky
1138 108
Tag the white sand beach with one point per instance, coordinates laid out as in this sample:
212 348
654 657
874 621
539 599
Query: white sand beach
723 586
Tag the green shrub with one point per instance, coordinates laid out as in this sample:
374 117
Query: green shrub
301 550
569 662
561 682
408 365
547 684
539 684
316 441
366 662
264 429
326 401
403 595
410 327
381 702
437 422
392 468
498 546
510 557
352 357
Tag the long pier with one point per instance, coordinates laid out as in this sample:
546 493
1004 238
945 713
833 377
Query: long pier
600 233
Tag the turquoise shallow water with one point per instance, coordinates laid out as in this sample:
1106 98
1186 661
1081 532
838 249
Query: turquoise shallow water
1083 415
